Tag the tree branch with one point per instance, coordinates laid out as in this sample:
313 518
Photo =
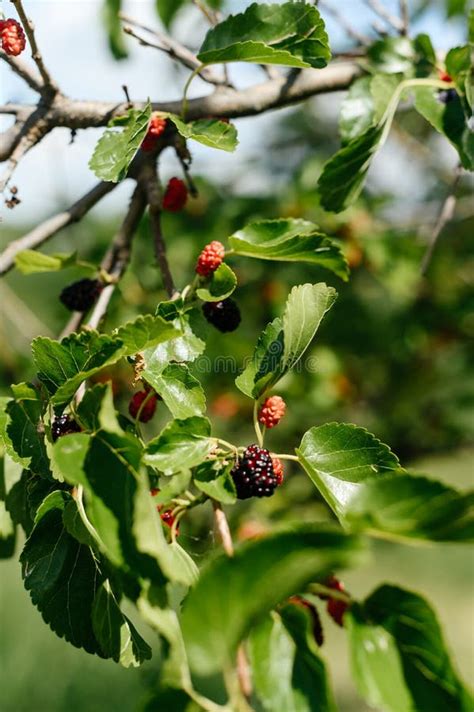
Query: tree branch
44 232
405 15
23 70
152 186
115 262
29 28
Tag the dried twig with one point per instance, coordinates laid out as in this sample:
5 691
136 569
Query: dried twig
154 200
48 83
44 232
445 215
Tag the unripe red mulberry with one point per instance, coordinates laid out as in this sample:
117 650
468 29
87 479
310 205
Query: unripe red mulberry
210 258
175 196
278 469
13 37
318 633
143 406
155 129
272 411
336 607
167 517
444 76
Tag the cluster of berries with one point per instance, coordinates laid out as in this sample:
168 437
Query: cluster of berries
142 405
81 296
176 193
63 425
254 474
12 37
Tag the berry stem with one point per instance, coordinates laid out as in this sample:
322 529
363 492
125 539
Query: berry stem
319 588
286 457
79 497
256 424
184 108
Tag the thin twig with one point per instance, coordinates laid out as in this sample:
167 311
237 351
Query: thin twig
35 53
346 26
222 528
445 215
154 200
405 15
44 232
24 71
210 17
380 10
114 262
30 133
172 48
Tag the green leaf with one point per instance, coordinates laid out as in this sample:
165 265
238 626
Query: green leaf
116 148
344 174
412 507
181 392
145 332
220 285
62 578
376 664
287 672
173 487
30 261
181 444
167 10
186 347
216 481
357 110
289 240
392 55
338 457
216 618
113 26
210 132
431 683
449 119
455 7
310 681
291 34
284 341
7 532
116 634
24 430
63 366
4 436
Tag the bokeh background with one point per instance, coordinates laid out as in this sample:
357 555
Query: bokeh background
393 355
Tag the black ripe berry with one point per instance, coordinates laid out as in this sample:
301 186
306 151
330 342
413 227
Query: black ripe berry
81 296
445 96
253 475
224 315
63 425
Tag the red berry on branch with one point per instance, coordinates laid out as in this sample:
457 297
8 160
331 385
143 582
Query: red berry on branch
272 411
444 76
210 258
278 470
335 607
12 36
143 406
175 196
155 130
169 519
154 491
315 619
